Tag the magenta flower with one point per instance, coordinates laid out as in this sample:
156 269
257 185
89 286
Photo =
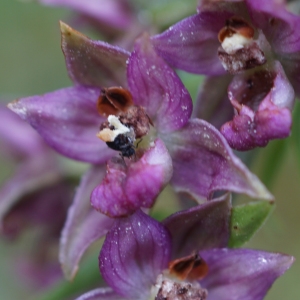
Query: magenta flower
257 42
190 154
68 120
136 252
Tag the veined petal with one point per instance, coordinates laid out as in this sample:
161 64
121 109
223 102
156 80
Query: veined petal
101 294
110 12
242 273
127 188
263 101
134 253
83 225
155 86
192 44
203 163
68 121
93 63
279 25
202 227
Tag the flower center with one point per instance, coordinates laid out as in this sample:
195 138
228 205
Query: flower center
126 122
239 51
252 90
191 267
168 289
180 281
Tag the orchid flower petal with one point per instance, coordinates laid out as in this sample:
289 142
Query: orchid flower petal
30 176
156 86
93 63
83 225
278 24
192 44
101 294
127 188
212 104
242 273
134 253
17 138
68 121
202 227
199 146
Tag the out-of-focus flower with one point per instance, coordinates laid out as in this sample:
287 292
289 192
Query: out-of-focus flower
116 20
35 197
135 255
257 42
113 13
120 22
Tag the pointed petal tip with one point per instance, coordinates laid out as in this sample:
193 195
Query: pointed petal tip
17 107
287 261
69 274
63 26
66 29
261 192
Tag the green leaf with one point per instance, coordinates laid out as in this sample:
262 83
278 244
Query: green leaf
246 219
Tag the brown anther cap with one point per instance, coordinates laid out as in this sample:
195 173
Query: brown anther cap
236 25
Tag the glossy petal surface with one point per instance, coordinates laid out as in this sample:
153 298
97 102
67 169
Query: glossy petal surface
127 188
135 251
93 63
202 227
155 86
68 121
203 162
242 273
83 225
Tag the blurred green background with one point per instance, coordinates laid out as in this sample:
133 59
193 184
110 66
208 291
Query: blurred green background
32 63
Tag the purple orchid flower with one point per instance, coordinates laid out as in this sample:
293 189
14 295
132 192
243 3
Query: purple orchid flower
36 196
191 154
68 120
257 42
135 255
36 173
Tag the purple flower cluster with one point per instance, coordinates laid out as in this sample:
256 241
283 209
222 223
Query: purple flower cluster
258 44
141 258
